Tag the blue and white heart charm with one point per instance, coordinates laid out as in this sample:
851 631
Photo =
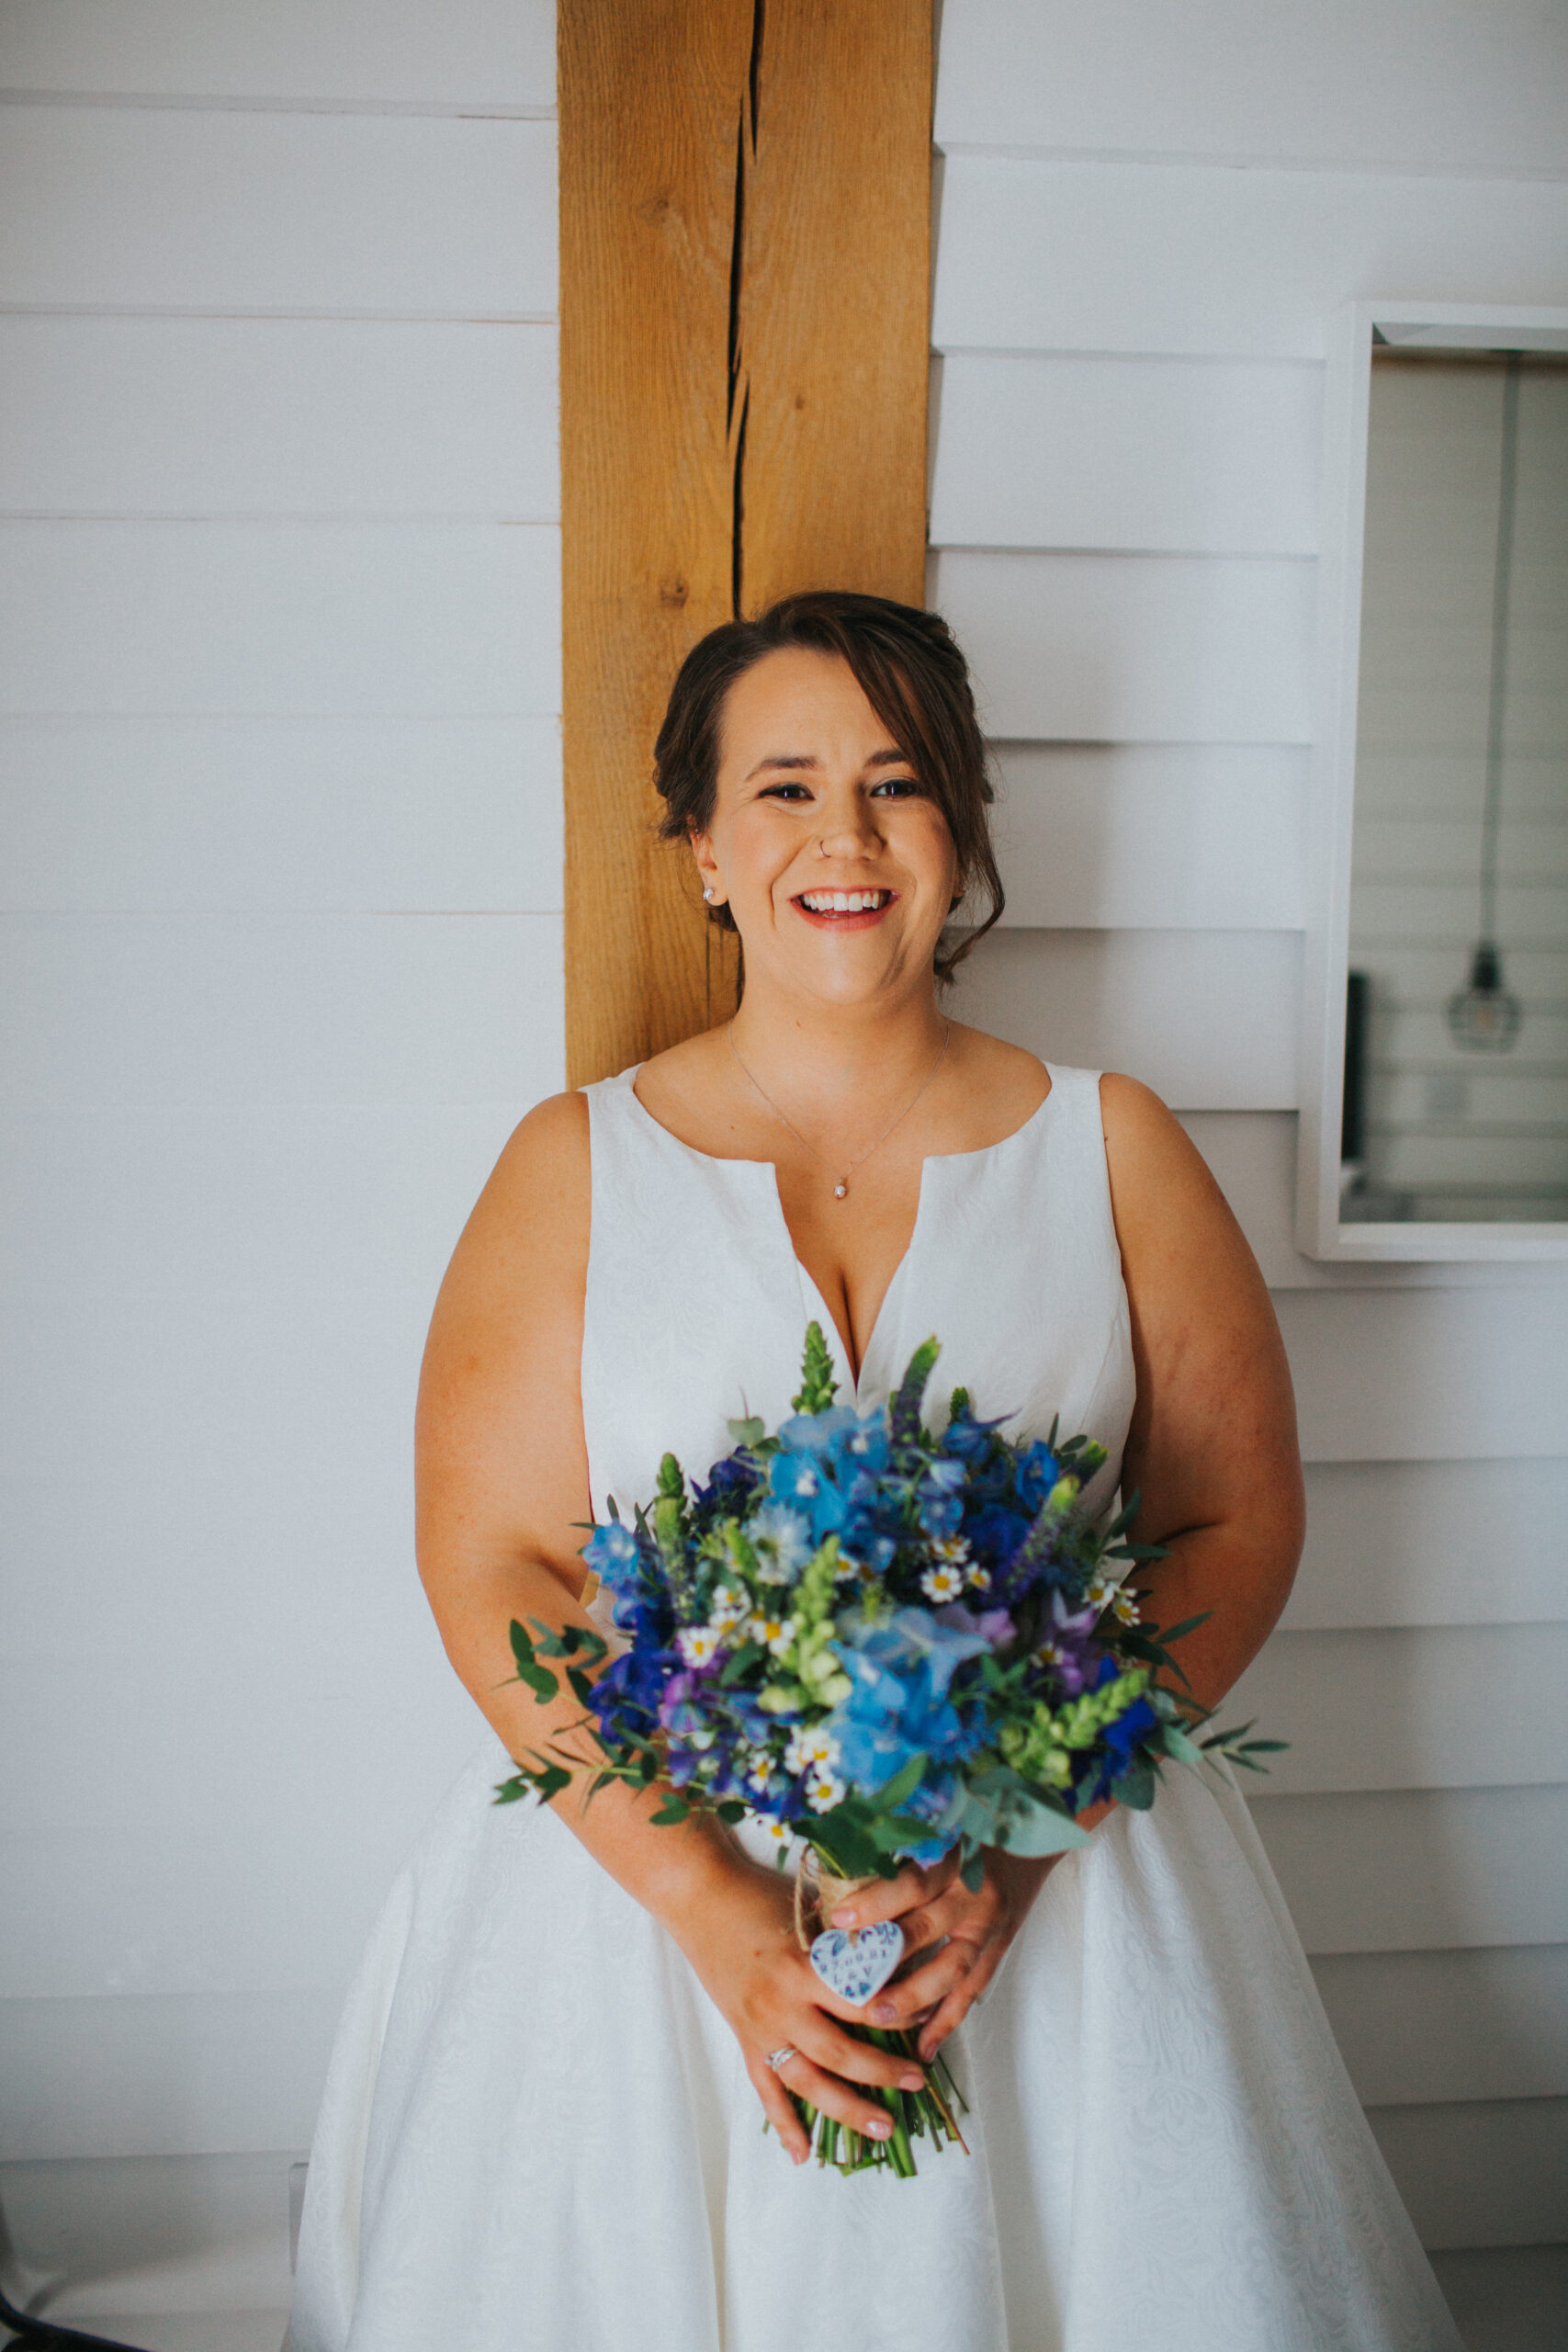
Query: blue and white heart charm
857 1964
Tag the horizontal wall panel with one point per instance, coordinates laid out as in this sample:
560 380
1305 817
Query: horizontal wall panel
337 619
302 1808
130 1550
310 816
1102 649
143 208
1417 1870
1417 2027
155 2074
1150 257
1492 2173
1153 836
412 1009
1206 1018
261 1199
503 52
1194 457
1505 2299
1428 1376
1428 1706
1389 81
1433 1543
203 2241
211 416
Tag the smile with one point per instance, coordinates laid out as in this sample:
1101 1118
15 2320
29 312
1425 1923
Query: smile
843 902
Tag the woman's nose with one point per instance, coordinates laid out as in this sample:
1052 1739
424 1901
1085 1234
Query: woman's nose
849 827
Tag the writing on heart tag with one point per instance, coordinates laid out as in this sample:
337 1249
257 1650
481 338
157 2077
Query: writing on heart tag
856 1964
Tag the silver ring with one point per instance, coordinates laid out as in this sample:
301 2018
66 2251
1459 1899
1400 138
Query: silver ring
777 2058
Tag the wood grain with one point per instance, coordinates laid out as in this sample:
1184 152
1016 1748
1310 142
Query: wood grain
835 332
745 265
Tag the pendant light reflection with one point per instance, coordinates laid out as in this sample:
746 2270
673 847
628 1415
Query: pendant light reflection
1484 1016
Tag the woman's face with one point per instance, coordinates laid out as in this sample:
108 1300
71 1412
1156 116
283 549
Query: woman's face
837 866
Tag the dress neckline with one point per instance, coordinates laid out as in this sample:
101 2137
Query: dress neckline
808 1279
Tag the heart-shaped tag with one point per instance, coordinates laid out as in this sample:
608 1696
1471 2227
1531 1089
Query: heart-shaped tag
857 1964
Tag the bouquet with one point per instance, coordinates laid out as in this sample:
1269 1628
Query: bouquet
883 1644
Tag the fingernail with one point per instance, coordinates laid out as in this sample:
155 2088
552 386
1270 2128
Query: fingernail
911 2082
882 2011
879 2128
844 1918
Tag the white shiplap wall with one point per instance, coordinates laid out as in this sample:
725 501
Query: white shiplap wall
1146 217
280 920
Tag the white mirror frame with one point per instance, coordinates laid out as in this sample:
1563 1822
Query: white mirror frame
1319 1231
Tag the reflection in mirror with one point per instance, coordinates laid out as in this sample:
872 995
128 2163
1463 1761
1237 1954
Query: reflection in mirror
1456 1094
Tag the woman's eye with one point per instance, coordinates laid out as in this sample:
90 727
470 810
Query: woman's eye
783 792
901 787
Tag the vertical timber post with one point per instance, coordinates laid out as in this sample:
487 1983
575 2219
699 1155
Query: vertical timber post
745 191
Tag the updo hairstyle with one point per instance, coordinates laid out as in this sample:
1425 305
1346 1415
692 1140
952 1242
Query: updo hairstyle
913 673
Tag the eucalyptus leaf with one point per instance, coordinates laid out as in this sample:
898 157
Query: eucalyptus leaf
1040 1829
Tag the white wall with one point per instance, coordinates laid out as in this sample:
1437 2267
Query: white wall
1147 215
281 891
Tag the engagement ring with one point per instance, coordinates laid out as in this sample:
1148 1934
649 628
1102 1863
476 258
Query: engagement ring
777 2058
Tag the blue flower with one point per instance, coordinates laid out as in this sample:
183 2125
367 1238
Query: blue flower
1124 1735
612 1552
782 1538
805 1481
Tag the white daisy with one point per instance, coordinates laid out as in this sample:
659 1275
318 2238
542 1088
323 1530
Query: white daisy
759 1771
727 1607
1103 1593
775 1634
808 1747
952 1548
823 1792
942 1583
979 1578
698 1645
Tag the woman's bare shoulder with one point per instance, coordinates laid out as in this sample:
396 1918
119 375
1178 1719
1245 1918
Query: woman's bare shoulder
1169 1211
531 1221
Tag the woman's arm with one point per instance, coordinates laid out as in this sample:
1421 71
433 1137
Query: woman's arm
500 1498
1212 1451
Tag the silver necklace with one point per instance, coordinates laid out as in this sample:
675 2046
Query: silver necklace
842 1189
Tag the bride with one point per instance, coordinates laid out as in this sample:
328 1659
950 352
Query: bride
543 2124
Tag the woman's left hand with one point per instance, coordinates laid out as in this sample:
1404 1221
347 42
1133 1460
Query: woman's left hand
932 1904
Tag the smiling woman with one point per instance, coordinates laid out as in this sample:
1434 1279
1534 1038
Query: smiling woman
924 745
547 2090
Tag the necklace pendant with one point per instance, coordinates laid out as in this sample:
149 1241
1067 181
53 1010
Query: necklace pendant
841 1190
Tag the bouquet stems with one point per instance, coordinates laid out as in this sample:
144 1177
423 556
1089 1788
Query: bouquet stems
915 2113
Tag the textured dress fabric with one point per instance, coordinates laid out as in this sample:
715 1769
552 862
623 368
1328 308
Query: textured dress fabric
537 2130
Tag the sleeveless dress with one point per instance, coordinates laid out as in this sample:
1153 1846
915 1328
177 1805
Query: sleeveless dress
537 2129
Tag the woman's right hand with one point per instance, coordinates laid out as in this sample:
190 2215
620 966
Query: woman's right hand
739 1937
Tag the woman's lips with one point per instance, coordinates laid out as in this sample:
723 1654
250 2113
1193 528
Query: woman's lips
827 916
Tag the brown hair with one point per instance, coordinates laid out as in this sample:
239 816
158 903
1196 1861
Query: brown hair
913 673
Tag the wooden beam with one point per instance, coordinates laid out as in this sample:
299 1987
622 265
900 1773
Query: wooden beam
745 194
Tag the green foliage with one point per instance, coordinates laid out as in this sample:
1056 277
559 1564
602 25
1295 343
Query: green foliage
817 1386
904 1408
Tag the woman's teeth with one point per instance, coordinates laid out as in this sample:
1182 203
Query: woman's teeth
844 902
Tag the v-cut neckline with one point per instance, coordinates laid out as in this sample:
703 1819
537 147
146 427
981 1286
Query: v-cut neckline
810 1282
803 1272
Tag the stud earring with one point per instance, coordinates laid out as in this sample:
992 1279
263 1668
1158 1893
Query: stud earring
708 897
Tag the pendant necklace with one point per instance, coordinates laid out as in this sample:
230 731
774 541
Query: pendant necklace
842 1189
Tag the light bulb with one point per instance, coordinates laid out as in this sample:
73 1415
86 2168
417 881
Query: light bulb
1484 1017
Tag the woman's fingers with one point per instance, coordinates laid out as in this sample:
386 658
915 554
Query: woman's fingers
887 1899
958 2004
923 1988
779 2108
835 2098
858 2062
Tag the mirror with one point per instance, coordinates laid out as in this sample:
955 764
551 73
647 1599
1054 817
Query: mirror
1436 1117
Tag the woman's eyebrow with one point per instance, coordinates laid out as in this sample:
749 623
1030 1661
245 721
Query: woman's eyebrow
889 757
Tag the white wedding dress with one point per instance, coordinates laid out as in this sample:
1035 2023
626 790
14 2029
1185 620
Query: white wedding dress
537 2130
